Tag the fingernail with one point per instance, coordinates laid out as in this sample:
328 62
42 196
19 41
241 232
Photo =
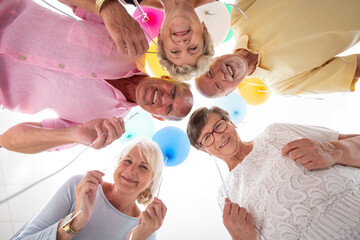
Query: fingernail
106 122
115 119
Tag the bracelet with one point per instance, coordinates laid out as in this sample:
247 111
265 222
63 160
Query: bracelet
98 5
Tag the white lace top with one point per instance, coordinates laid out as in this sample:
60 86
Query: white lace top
287 200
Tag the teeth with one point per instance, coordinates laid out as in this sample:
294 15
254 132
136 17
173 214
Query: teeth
230 70
130 180
224 143
155 96
181 33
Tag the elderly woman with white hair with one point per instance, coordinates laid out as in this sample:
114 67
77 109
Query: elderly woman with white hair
185 48
107 210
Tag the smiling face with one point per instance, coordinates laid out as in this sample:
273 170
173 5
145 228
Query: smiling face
133 173
224 75
182 38
226 144
164 99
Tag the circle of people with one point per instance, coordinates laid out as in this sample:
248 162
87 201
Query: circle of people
271 191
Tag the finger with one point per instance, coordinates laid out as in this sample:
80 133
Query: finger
138 47
117 127
130 47
150 211
289 147
227 209
163 207
99 140
234 212
310 166
97 174
111 133
249 219
145 46
303 160
242 216
296 153
120 44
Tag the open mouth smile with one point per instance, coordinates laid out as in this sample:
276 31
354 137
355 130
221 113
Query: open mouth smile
129 180
183 33
230 70
155 96
222 145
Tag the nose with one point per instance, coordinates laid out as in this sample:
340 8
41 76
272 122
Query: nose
166 99
183 42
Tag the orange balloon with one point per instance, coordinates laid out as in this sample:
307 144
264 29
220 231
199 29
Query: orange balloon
254 91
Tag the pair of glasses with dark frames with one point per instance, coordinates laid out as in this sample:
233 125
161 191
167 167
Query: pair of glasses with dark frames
219 127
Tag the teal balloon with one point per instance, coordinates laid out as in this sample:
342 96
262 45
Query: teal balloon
231 32
140 125
174 145
229 35
235 105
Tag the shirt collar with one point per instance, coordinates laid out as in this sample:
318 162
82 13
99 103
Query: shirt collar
243 42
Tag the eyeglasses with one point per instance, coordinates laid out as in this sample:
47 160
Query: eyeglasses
219 127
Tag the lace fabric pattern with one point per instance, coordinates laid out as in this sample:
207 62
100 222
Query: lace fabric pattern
287 200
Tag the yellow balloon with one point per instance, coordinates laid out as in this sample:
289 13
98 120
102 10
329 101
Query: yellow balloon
153 62
254 91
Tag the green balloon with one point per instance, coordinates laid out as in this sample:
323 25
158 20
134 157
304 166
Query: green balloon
231 32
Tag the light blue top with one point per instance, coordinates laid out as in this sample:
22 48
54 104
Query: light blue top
106 221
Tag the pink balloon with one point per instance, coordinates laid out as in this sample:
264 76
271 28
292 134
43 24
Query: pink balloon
154 18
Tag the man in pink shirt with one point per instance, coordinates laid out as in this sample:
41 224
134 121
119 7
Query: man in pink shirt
49 61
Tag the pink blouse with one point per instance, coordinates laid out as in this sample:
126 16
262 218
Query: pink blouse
49 61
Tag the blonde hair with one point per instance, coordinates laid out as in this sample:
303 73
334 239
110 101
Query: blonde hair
150 151
186 72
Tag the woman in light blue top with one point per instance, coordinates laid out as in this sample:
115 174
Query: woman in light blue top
108 210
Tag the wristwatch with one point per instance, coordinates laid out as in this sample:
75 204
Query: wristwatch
66 227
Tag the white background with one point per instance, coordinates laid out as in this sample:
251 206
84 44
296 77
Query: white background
190 189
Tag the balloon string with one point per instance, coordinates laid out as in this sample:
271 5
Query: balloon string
237 9
87 28
61 169
54 173
227 195
165 161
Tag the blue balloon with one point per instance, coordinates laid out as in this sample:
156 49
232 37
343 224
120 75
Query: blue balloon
174 145
235 105
140 125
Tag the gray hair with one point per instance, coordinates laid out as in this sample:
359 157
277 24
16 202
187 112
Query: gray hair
150 151
186 72
197 122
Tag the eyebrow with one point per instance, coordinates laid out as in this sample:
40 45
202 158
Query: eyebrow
140 162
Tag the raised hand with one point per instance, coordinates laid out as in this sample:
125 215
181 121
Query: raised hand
85 198
124 30
91 130
150 220
238 221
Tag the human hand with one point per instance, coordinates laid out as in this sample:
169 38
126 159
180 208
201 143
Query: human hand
124 30
150 220
238 221
85 198
311 154
91 130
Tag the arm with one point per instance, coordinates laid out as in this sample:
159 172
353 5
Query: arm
45 224
238 222
34 138
323 154
124 29
336 75
149 221
85 201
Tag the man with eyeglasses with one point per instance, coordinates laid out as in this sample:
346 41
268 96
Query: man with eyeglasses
270 178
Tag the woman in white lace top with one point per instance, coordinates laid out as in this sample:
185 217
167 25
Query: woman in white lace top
292 181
